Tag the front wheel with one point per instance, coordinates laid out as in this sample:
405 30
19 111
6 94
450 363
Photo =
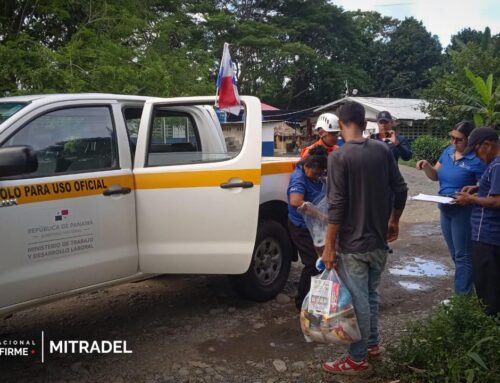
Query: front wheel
270 266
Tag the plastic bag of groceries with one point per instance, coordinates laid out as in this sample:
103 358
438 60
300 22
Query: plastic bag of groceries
327 314
316 218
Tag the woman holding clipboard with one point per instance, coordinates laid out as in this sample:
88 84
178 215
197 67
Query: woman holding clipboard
454 170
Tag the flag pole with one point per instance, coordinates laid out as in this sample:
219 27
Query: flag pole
216 104
227 84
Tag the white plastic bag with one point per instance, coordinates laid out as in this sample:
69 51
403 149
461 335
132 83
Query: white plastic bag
327 314
316 218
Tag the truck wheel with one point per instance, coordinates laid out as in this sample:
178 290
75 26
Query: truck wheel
270 266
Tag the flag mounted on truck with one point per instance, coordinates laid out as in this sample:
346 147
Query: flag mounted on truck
228 98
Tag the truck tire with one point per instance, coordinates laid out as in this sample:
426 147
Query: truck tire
270 266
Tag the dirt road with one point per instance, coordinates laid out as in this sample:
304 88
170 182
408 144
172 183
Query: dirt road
185 328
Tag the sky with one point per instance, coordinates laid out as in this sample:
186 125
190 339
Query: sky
443 18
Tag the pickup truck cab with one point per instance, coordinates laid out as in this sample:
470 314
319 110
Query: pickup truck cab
100 189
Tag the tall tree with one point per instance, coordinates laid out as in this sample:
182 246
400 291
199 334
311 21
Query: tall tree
324 47
407 58
294 53
451 81
463 37
126 46
375 32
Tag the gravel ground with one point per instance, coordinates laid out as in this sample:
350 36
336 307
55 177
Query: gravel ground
195 329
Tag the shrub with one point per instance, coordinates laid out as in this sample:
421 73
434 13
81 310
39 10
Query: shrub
428 148
458 343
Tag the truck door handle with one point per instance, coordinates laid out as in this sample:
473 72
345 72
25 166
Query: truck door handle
116 189
231 185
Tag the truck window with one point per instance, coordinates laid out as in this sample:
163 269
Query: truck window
8 109
72 140
186 135
174 139
132 117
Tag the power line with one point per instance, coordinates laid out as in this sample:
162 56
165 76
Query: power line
394 4
294 112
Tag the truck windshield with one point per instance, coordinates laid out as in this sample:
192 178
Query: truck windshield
7 109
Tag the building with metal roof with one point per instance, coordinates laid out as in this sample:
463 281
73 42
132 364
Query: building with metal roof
407 111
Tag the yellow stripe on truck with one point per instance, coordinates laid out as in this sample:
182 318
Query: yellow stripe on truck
50 191
277 168
208 178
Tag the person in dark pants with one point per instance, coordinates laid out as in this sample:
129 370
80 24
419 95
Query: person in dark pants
366 197
454 170
397 143
485 218
305 185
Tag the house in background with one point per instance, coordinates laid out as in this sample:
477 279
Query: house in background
268 126
281 130
411 121
291 130
287 139
234 128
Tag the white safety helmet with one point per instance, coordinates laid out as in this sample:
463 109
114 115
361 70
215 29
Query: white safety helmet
328 122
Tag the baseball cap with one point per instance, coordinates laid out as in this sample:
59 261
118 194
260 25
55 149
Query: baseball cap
478 136
384 116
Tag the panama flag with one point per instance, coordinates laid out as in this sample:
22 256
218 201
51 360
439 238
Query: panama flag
228 98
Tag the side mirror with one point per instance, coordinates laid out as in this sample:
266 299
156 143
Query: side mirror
17 160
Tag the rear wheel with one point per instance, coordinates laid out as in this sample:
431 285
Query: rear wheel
270 266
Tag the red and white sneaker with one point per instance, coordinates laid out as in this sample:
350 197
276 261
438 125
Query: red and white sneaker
375 351
347 366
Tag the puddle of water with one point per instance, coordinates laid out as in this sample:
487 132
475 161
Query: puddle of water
420 268
425 230
413 285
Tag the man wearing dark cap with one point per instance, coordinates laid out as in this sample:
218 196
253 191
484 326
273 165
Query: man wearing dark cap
399 145
485 218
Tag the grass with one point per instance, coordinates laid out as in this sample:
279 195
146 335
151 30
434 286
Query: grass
411 163
457 344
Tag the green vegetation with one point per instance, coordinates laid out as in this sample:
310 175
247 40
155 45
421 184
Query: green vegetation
293 54
428 148
456 93
482 100
411 163
457 344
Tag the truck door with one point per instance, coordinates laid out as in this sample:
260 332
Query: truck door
73 221
197 203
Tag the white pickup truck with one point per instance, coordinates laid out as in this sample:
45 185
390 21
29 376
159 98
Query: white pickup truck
99 189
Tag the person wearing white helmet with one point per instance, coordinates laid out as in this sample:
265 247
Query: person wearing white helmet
328 130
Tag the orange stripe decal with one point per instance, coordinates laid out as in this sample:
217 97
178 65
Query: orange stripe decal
209 178
277 168
39 192
49 191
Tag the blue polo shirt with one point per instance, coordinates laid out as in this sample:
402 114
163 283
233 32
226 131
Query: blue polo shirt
311 190
486 221
454 175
